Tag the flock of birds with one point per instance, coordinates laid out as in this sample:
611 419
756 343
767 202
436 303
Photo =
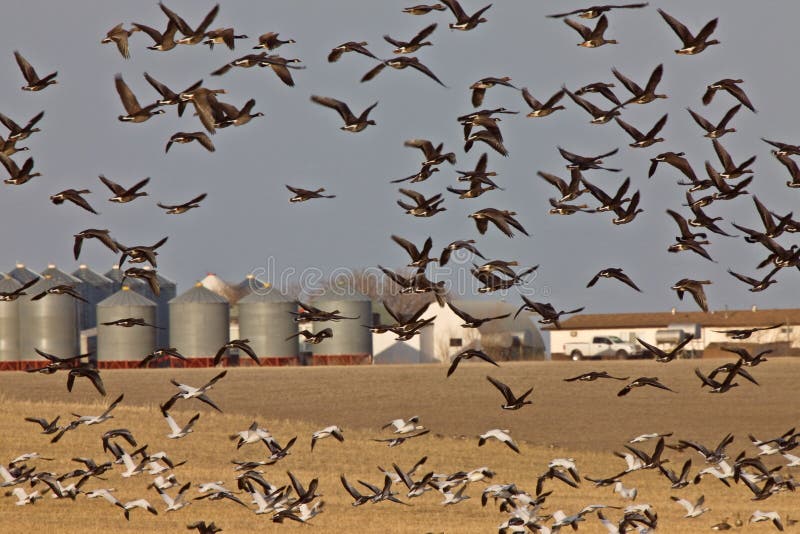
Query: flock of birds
295 501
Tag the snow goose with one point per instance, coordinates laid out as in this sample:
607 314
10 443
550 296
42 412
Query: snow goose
500 435
178 432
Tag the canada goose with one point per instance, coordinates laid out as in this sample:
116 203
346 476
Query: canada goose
17 132
170 97
463 21
663 356
644 140
48 427
584 163
17 176
433 155
468 245
120 36
313 338
754 283
351 122
74 196
595 11
512 402
424 207
140 253
479 88
160 354
328 431
469 354
502 219
188 137
675 159
500 435
246 62
129 322
725 191
692 44
613 272
419 258
60 289
539 109
230 115
731 170
474 322
135 113
490 136
695 287
148 275
546 310
205 104
425 172
162 42
312 313
224 36
601 88
416 42
87 372
599 116
423 9
640 382
271 41
592 376
56 363
122 194
9 296
592 38
349 46
301 195
177 209
190 36
747 332
359 499
646 95
732 87
628 214
748 359
718 130
569 191
280 66
400 63
93 233
34 83
608 203
9 148
189 392
242 345
176 432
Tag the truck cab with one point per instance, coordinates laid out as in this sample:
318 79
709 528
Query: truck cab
602 347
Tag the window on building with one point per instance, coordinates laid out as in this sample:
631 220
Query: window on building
455 341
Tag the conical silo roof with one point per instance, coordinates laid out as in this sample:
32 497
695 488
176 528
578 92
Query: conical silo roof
126 297
263 292
8 284
58 276
22 274
198 294
214 283
89 276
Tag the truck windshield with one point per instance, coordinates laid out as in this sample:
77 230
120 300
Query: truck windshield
615 339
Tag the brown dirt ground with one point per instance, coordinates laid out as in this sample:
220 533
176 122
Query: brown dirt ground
584 421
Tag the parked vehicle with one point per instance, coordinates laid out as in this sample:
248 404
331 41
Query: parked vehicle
603 347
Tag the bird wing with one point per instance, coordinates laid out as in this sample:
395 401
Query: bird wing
373 72
425 70
127 97
680 30
585 31
27 70
339 106
704 124
729 115
504 389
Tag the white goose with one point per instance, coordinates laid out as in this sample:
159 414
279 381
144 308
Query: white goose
693 509
254 434
177 431
326 432
179 501
25 498
625 493
97 419
759 516
501 435
402 426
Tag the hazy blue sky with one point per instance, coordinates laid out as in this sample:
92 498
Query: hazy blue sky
246 218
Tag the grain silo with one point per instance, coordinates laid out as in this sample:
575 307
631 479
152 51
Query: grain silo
264 319
49 324
199 322
351 342
22 274
120 344
94 287
54 273
9 323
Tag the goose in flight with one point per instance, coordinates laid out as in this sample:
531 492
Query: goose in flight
500 435
693 509
512 402
24 498
595 11
641 382
414 44
123 195
695 288
10 296
662 356
692 44
130 322
399 440
301 195
32 80
134 111
189 392
160 354
328 431
127 506
179 501
87 372
90 420
351 122
591 376
463 21
177 209
469 354
474 322
312 337
178 432
745 333
75 196
350 46
592 37
732 87
613 272
404 426
242 345
120 36
61 289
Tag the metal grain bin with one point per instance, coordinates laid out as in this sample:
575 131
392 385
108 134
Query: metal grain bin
199 322
49 324
167 290
9 322
60 277
118 343
350 341
264 319
94 287
22 274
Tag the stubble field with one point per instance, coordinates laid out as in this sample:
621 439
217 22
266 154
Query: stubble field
584 421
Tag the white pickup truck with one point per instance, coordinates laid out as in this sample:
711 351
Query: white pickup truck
602 347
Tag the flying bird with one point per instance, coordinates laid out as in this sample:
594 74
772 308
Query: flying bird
351 122
33 82
692 44
301 195
613 272
512 402
177 209
467 355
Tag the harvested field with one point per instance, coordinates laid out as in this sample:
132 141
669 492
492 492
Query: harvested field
585 421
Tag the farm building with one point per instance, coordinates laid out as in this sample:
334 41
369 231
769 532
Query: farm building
666 329
503 339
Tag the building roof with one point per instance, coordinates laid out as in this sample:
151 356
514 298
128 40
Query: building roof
8 284
262 292
54 273
126 297
85 274
22 274
720 318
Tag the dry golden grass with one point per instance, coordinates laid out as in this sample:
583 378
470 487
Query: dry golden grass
584 421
